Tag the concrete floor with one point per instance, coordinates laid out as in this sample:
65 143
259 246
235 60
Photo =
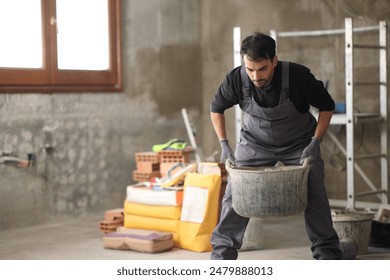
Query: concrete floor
283 239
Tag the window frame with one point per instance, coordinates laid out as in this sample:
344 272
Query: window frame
50 79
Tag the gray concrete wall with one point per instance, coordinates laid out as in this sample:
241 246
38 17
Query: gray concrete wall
95 136
175 54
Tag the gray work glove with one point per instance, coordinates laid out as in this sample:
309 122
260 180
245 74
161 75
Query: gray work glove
312 151
226 152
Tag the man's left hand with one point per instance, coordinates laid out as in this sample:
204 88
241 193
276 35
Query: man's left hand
312 151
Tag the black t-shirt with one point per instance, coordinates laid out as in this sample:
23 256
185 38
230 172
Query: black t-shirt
304 90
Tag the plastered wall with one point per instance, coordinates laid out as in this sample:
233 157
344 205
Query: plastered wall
175 54
92 138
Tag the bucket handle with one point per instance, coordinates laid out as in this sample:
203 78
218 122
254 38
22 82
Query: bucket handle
306 162
228 163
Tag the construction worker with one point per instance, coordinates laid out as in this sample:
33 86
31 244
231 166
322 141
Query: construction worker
275 97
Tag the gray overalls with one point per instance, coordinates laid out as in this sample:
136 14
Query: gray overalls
269 135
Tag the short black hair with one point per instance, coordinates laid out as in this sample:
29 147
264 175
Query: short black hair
258 46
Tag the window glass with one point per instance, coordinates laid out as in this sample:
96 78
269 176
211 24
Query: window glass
82 34
21 34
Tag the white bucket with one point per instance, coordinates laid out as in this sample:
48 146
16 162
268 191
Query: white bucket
254 235
355 225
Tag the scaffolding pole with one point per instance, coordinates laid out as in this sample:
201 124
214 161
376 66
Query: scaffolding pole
237 62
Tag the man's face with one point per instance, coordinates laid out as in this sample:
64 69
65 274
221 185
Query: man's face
260 71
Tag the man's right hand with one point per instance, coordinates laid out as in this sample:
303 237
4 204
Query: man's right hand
226 152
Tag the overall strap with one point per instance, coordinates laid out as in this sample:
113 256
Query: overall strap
246 88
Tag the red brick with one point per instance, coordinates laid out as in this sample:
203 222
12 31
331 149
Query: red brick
175 156
145 176
147 167
151 157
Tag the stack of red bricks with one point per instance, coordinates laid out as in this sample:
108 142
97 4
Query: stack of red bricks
148 166
152 164
113 219
169 158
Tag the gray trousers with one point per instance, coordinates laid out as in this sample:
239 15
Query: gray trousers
228 235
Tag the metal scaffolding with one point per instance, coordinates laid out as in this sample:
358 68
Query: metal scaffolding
351 118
